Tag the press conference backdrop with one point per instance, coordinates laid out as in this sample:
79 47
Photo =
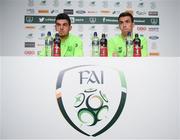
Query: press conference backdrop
30 108
30 24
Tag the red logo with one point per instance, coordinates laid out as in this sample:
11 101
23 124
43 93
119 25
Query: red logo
29 53
141 28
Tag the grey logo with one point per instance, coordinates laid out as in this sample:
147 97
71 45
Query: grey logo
29 19
92 20
154 21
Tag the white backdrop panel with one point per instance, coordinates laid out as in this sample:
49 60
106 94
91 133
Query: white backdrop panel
30 109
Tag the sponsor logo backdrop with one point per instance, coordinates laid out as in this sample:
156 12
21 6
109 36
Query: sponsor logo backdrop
88 17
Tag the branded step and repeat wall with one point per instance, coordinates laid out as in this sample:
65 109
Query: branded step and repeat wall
88 17
34 18
90 98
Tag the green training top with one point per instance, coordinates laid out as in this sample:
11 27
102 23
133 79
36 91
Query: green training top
71 46
117 45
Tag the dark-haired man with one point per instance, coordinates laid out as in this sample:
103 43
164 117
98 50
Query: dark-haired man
71 45
117 44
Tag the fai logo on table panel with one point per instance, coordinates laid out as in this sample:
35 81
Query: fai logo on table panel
91 98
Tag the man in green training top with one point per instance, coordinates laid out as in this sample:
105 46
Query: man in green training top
71 45
117 44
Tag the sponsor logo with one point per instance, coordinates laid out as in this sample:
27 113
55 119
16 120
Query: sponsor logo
109 20
153 29
42 36
92 12
30 11
105 11
72 19
141 13
116 12
142 29
141 5
92 27
29 53
68 3
30 27
42 27
154 21
117 4
69 11
29 45
80 12
92 3
41 19
90 105
55 11
43 11
29 19
42 3
29 36
153 37
92 19
153 13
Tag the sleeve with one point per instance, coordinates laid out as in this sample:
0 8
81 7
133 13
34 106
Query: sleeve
110 46
144 46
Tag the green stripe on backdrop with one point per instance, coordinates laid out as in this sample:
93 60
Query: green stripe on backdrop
28 19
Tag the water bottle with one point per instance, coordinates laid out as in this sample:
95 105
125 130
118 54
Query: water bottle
57 47
95 45
137 46
48 44
103 46
129 45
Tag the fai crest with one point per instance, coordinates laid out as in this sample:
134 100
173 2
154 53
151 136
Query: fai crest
91 98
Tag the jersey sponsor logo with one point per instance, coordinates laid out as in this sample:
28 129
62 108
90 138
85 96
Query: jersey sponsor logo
86 99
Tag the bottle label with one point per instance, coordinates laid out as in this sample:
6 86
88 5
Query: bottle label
56 50
137 51
103 52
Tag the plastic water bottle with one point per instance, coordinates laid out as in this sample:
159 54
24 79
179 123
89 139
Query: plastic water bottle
137 46
95 45
129 45
103 46
48 44
57 47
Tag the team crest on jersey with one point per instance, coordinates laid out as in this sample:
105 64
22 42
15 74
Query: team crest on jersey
91 98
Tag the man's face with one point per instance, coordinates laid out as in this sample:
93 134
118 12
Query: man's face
125 25
63 27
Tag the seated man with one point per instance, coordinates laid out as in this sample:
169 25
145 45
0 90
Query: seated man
71 45
117 44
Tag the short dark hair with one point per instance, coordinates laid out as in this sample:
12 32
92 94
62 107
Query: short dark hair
63 16
124 14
